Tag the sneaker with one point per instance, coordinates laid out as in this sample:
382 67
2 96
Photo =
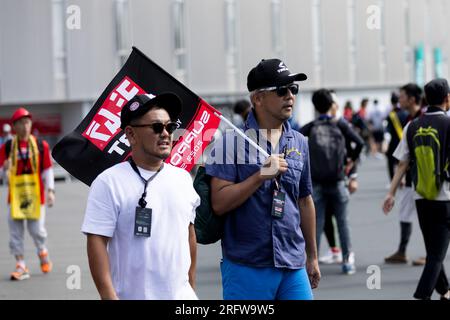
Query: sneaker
46 264
21 273
348 266
419 262
396 258
333 256
379 156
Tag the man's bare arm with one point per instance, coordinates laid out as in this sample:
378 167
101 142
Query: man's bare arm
193 251
308 226
99 265
388 203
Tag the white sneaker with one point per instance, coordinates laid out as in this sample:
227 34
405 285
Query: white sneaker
351 258
331 257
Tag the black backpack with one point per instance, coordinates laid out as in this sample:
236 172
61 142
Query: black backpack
40 145
208 226
327 151
429 161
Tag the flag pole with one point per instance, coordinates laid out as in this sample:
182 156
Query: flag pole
242 134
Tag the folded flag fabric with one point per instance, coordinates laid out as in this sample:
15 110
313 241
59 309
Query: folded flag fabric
98 142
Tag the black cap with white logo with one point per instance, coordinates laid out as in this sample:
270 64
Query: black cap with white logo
140 104
271 73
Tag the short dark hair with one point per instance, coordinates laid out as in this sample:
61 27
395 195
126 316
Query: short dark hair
412 90
241 106
364 102
436 91
348 105
322 100
394 98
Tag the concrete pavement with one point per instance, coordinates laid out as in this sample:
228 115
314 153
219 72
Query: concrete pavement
374 236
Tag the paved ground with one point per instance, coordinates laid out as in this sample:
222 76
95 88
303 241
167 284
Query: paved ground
374 236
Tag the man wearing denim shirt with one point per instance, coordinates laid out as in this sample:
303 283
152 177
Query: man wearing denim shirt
269 248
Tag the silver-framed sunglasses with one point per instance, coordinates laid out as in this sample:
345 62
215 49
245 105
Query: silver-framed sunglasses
283 90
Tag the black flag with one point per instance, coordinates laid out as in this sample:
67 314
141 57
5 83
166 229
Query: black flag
98 142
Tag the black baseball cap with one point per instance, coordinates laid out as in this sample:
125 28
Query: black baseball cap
139 105
271 73
436 91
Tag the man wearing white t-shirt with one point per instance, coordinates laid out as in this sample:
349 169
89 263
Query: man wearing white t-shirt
140 213
409 99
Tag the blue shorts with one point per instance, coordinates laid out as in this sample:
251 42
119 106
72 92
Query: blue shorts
241 282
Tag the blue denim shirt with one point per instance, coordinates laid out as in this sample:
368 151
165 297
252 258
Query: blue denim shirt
252 236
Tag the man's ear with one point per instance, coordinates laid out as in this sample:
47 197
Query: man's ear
130 134
447 102
256 98
334 108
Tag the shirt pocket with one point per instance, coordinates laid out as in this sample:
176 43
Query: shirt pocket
293 175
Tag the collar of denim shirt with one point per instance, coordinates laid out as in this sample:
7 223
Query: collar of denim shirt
252 123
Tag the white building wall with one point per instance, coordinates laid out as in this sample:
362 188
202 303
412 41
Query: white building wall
27 74
26 70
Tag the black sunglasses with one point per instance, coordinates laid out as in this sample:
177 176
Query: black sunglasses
159 127
283 90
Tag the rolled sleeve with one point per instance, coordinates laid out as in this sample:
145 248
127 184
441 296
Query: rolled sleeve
305 187
401 153
101 215
195 200
195 204
220 162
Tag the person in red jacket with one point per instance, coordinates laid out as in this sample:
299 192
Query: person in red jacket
27 163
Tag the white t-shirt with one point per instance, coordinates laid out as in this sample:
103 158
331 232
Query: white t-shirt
402 154
145 268
377 117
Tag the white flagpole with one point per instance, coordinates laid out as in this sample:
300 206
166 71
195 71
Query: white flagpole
228 122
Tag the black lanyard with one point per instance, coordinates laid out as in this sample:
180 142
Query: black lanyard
25 157
142 201
278 179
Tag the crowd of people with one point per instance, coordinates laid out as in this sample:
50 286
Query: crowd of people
335 147
141 239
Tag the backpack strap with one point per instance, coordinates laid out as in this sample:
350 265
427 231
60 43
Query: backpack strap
40 145
8 147
396 123
411 131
